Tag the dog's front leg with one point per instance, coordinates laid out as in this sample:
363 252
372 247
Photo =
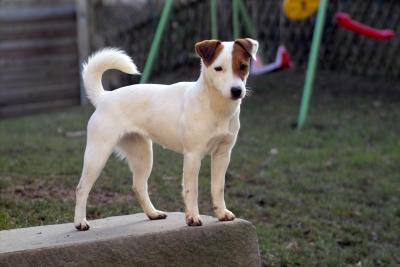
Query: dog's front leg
191 167
219 164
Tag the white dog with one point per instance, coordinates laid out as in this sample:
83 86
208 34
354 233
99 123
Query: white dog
192 118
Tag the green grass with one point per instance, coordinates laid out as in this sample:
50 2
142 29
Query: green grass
325 196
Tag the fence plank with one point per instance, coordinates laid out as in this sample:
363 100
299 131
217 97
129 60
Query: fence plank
38 94
41 73
38 59
30 14
84 31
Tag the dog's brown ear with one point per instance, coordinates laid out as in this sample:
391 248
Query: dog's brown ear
208 50
250 45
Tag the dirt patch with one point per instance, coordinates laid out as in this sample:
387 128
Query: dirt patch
43 190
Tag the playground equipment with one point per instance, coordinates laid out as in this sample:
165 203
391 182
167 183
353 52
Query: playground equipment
300 9
345 21
156 40
282 61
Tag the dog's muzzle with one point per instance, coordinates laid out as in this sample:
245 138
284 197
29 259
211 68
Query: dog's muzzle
236 92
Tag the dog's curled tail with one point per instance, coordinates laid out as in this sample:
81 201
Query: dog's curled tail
97 64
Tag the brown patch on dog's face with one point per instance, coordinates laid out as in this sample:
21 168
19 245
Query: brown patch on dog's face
209 50
241 55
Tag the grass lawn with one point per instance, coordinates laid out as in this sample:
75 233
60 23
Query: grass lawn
325 196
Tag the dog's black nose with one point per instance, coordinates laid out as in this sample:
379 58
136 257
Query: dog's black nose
236 92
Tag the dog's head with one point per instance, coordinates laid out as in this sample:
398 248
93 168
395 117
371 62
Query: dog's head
226 65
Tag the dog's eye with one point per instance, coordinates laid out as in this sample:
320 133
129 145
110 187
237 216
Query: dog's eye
219 68
243 66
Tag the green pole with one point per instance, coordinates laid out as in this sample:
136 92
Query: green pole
235 18
312 63
156 40
247 20
214 20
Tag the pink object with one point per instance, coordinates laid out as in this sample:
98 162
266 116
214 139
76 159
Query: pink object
282 61
344 20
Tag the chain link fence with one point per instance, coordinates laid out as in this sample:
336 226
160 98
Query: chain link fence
131 26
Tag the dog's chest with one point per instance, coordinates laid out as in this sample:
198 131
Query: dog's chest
222 132
223 127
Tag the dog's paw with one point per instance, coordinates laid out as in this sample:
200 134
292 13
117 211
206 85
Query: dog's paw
225 215
193 220
157 215
83 225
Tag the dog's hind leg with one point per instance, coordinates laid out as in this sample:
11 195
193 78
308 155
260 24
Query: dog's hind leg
100 143
139 153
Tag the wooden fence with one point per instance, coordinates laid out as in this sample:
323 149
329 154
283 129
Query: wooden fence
38 58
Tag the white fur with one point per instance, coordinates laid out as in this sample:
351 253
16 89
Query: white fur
254 48
192 118
105 59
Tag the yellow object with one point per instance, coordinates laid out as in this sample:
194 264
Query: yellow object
300 9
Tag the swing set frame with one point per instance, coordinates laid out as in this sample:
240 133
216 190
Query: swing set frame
238 8
344 21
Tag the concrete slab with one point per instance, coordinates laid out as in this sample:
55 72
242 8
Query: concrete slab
133 240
